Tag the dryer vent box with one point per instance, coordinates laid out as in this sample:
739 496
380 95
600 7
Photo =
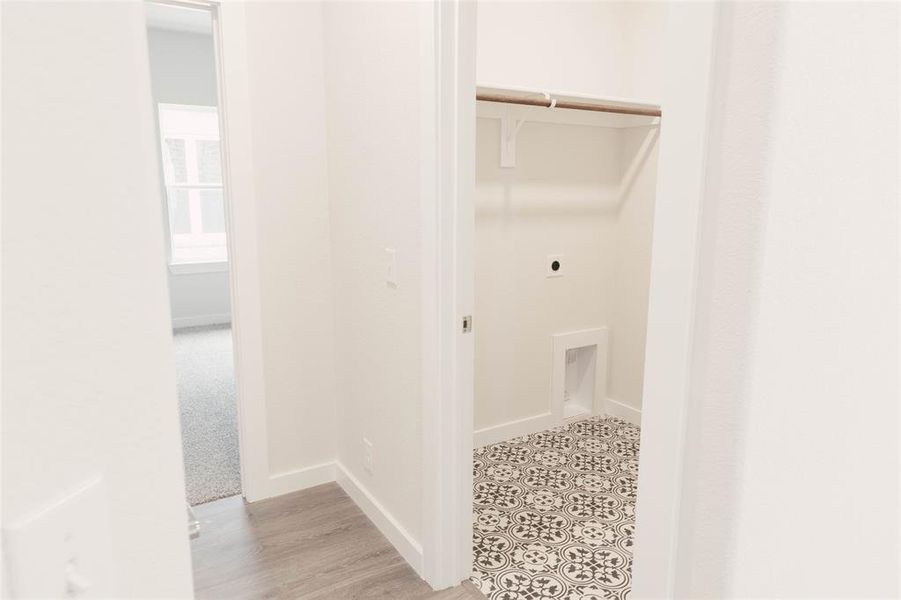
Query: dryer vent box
579 373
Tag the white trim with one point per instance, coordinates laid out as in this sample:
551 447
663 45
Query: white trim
528 425
541 422
400 538
615 408
201 320
448 66
432 379
672 303
514 429
230 42
300 479
193 268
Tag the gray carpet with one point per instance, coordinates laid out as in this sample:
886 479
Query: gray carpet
209 427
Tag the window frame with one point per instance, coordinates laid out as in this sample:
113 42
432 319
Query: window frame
202 265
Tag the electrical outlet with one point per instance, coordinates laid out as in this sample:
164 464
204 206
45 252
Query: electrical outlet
554 265
367 456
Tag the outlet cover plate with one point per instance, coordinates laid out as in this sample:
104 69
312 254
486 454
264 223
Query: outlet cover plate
391 267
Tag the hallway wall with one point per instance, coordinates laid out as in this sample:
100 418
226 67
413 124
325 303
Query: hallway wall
824 354
374 79
285 68
88 373
791 472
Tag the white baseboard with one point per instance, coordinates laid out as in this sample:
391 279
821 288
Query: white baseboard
536 423
294 481
301 479
200 321
512 429
615 408
399 537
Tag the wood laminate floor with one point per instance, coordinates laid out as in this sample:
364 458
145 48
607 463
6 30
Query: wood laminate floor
311 544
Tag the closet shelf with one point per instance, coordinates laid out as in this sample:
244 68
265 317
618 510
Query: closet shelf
569 109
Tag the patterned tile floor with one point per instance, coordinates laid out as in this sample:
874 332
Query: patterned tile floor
555 513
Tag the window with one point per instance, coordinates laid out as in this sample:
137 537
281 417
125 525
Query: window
192 168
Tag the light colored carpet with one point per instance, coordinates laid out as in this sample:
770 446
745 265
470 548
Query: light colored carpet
209 428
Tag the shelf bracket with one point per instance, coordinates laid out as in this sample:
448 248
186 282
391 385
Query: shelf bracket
509 129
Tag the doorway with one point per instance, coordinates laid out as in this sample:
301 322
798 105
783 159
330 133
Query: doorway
183 67
564 203
688 56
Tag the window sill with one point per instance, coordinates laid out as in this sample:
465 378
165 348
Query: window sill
198 267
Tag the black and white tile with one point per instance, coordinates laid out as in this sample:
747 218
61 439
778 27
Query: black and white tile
555 513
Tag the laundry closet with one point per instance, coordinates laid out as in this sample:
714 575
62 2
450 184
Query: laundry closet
568 119
565 188
564 209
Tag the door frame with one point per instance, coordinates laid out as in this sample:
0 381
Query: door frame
232 79
229 42
447 275
447 291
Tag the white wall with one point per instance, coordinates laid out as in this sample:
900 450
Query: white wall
182 67
287 120
595 48
88 373
644 24
791 480
183 71
199 298
563 196
373 86
584 192
631 269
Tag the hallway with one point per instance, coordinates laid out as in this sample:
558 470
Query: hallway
310 544
448 237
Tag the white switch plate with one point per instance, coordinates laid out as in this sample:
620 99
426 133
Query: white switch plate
550 270
63 549
391 266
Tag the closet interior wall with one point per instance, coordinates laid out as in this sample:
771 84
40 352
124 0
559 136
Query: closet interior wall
584 192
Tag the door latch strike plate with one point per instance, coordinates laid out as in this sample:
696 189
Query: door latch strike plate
467 323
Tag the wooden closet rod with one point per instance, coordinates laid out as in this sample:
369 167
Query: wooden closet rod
607 108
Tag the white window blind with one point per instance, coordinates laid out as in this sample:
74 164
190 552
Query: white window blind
192 168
